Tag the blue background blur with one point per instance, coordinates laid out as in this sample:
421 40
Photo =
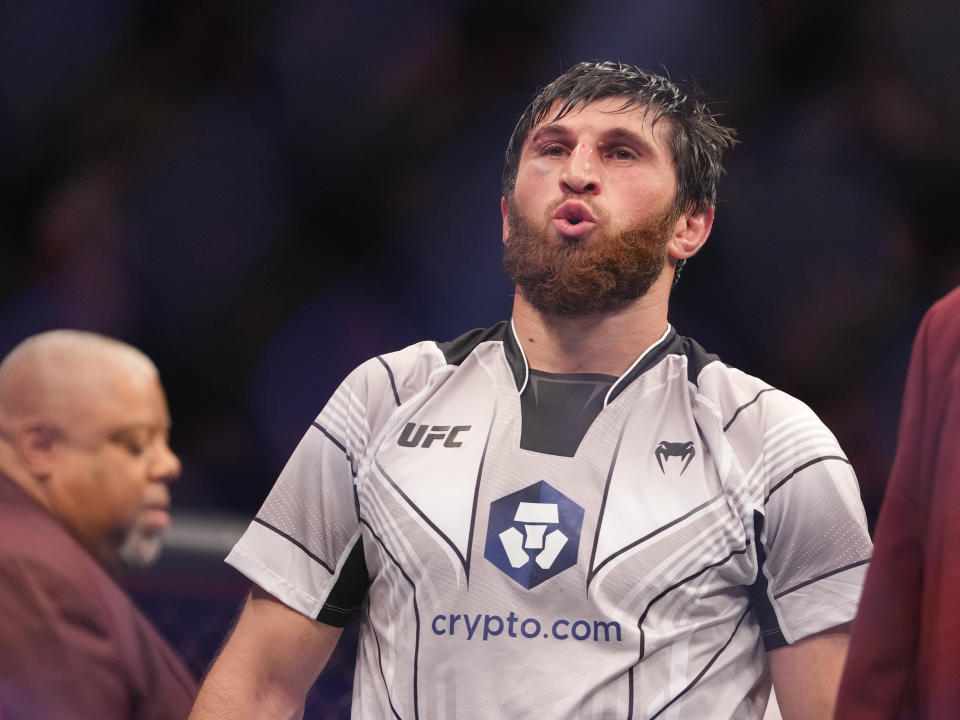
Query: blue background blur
261 195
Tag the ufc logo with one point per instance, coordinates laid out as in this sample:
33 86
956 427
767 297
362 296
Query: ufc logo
412 435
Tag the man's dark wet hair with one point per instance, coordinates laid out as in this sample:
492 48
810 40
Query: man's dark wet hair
697 140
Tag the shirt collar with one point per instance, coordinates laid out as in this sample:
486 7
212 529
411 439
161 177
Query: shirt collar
668 343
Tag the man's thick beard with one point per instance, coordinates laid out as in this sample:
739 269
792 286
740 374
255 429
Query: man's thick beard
575 277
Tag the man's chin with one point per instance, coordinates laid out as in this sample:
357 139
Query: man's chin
579 306
140 548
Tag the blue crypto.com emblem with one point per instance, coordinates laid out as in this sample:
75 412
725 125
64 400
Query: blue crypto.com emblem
533 534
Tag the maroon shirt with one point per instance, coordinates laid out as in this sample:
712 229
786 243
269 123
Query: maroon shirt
904 659
72 644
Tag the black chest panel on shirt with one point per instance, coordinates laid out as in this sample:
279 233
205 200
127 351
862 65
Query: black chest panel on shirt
557 410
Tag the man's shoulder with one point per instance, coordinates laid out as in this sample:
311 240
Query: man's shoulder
739 396
942 326
29 533
61 608
450 352
46 576
404 372
712 376
948 306
37 549
459 349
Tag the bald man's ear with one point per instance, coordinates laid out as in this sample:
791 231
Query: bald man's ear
36 441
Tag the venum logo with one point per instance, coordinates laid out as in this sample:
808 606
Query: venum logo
414 435
666 450
534 534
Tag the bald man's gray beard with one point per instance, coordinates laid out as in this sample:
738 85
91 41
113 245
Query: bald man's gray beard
140 548
583 276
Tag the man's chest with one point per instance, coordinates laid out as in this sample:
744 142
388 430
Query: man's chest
636 511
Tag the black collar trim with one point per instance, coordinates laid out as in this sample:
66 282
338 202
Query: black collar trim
669 343
516 359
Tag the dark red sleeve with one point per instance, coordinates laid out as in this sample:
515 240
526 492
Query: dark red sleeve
900 642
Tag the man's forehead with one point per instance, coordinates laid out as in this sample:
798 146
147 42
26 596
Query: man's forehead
641 117
128 402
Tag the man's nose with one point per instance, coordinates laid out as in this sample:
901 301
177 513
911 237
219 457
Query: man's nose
166 465
581 171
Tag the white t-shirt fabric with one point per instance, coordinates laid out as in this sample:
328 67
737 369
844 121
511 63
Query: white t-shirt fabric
527 545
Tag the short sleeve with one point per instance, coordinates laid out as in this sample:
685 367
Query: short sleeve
304 545
810 528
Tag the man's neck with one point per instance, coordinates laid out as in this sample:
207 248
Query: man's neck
607 343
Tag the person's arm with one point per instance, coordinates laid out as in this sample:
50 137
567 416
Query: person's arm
270 661
806 674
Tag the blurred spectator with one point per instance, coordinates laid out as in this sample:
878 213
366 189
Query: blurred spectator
84 469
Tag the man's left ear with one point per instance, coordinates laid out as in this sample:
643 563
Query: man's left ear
504 207
690 233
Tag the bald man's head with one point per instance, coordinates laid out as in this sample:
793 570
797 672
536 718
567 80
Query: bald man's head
83 429
48 372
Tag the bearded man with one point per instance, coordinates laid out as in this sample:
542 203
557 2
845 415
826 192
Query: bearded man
578 513
84 474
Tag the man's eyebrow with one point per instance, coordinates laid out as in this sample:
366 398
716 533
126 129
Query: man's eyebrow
620 134
625 135
137 427
550 130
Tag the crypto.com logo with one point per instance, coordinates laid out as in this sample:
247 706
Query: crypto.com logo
533 534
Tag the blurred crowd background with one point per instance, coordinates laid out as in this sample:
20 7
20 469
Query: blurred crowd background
261 195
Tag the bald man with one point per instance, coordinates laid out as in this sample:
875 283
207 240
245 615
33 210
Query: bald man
84 474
